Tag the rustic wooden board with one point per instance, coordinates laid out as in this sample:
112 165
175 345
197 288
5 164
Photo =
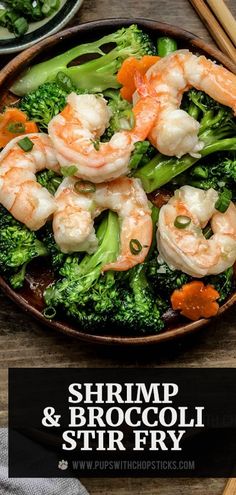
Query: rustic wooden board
26 343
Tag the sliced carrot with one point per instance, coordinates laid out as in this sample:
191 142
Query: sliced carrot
14 116
196 300
126 74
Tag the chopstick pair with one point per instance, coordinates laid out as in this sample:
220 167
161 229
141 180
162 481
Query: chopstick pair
220 23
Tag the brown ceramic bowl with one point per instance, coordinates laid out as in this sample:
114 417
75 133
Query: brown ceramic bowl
30 297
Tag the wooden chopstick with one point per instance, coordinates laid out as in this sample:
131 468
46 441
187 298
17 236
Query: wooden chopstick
225 17
214 28
230 488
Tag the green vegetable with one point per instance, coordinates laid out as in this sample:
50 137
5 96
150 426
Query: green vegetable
15 23
69 171
164 279
18 246
42 104
95 75
81 284
121 114
218 172
223 201
139 310
165 46
217 131
224 283
135 246
57 258
141 149
124 300
16 127
25 144
181 222
16 18
50 180
207 232
49 312
84 186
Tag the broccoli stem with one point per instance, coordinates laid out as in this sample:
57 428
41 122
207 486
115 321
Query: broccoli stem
34 76
161 169
95 75
79 278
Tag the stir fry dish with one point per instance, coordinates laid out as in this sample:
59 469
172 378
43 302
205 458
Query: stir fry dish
120 174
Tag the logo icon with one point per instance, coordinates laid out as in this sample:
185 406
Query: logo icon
63 465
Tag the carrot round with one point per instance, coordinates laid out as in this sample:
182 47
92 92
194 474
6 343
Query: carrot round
196 300
13 123
126 74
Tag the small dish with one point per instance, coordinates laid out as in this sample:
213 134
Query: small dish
39 30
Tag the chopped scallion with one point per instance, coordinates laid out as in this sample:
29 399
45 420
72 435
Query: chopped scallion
84 187
16 127
182 221
49 312
69 171
223 200
25 144
207 232
135 246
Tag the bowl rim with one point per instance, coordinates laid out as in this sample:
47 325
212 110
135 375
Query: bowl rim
26 57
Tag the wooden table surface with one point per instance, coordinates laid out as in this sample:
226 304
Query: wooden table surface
26 343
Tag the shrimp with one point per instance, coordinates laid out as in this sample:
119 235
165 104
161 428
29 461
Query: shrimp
186 248
20 193
76 130
73 221
175 133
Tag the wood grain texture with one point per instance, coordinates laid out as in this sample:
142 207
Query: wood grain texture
25 343
230 488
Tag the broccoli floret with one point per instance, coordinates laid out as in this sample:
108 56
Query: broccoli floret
215 171
122 117
18 246
139 311
56 256
81 282
163 279
217 131
95 75
96 300
46 101
142 154
224 283
50 180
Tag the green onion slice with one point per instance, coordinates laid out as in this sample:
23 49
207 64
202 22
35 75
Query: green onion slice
182 221
49 312
84 186
223 202
207 232
135 246
69 171
16 127
25 144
